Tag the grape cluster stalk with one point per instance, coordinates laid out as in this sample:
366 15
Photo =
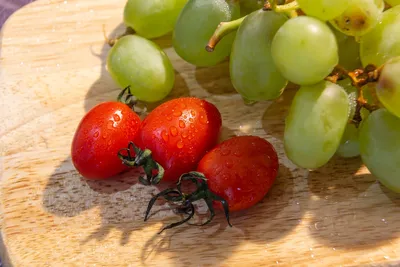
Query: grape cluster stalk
344 56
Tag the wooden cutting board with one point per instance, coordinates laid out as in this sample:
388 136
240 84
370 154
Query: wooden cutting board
53 71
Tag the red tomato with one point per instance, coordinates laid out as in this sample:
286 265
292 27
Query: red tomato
241 170
102 132
179 132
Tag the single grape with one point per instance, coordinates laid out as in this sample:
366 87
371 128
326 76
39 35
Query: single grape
380 147
315 124
139 63
252 70
195 26
383 42
323 9
152 18
349 50
352 95
305 50
360 17
249 6
380 4
388 88
393 2
349 145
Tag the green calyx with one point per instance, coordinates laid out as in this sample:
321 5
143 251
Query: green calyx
185 201
133 156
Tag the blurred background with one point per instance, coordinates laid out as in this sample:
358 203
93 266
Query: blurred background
7 7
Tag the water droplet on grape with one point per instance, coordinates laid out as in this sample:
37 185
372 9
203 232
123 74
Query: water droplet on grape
96 134
173 131
116 117
177 113
164 135
181 124
179 144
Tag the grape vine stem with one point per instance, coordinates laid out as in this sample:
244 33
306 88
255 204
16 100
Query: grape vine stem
223 29
272 5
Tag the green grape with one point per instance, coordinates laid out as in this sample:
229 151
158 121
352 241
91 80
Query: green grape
380 4
388 88
393 2
139 63
249 6
152 18
349 50
195 26
360 17
349 145
253 72
305 50
315 124
383 42
380 147
323 9
352 95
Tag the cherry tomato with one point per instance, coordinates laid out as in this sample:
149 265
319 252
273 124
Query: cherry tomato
102 132
178 133
241 170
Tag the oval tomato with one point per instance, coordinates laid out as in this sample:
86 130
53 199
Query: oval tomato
241 170
178 133
102 132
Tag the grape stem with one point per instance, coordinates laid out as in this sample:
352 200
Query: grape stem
223 29
111 42
286 8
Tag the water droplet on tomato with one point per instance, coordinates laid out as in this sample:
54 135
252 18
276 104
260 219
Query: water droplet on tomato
179 144
195 130
177 113
164 135
203 119
193 113
191 120
183 105
225 151
191 126
116 117
169 118
96 134
184 134
182 124
229 164
173 131
190 137
110 124
237 153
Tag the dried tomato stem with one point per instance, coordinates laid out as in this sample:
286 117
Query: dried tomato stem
186 200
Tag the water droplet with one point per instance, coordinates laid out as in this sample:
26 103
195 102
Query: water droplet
229 164
96 134
386 257
110 124
190 137
225 151
238 153
191 120
181 124
173 131
179 144
184 134
183 105
191 126
116 117
164 136
104 136
177 113
193 113
169 118
203 119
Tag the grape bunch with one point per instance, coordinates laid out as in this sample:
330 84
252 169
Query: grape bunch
343 55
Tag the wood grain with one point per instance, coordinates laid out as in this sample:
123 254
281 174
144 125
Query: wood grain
53 71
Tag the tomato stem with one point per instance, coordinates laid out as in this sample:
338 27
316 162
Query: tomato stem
153 170
186 200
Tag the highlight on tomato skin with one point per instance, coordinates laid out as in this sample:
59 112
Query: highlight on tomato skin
241 170
178 133
101 133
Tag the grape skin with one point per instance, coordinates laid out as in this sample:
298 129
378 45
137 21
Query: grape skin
195 26
388 88
349 145
315 124
393 2
349 50
323 9
383 42
137 62
152 18
380 147
360 17
305 50
252 70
